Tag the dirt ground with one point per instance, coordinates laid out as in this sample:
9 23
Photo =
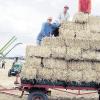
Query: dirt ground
8 82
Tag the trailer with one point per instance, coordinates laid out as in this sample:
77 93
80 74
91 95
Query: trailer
41 90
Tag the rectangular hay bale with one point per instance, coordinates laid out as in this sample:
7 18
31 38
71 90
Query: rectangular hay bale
38 51
84 44
94 22
52 74
73 53
45 73
96 66
81 18
29 73
55 63
58 52
75 75
81 27
98 77
33 61
60 74
95 28
88 55
96 36
89 75
67 25
79 65
83 34
66 33
95 44
98 56
53 41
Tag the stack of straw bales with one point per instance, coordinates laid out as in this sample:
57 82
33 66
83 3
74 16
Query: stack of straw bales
73 56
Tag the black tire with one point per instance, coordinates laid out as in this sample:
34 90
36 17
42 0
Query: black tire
9 74
37 96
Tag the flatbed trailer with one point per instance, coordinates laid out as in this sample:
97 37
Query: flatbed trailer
41 91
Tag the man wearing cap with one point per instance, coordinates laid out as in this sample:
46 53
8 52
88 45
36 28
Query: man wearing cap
64 15
46 30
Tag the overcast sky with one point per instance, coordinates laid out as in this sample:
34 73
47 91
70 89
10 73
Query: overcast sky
23 18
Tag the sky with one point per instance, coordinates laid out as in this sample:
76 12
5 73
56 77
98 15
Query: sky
23 18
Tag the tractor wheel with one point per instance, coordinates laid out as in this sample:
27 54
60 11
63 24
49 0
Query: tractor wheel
37 96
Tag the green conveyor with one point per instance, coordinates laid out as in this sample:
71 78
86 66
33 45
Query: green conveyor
6 46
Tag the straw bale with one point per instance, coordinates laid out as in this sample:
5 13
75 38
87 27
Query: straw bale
59 74
73 53
67 25
34 66
94 22
76 33
52 74
28 50
29 73
45 73
70 42
95 28
96 36
81 18
74 26
39 51
23 71
33 61
75 75
98 77
81 27
55 63
66 33
79 31
83 34
96 66
53 41
58 52
95 44
79 65
82 43
88 55
89 75
98 56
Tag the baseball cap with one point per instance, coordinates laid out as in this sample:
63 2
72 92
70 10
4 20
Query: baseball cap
49 18
66 7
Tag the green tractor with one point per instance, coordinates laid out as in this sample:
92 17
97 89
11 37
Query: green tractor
15 69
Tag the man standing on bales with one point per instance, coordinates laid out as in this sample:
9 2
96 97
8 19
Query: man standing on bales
64 15
47 30
85 6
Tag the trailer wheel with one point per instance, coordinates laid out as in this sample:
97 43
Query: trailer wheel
37 96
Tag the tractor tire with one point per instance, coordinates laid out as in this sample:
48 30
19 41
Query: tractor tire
37 96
